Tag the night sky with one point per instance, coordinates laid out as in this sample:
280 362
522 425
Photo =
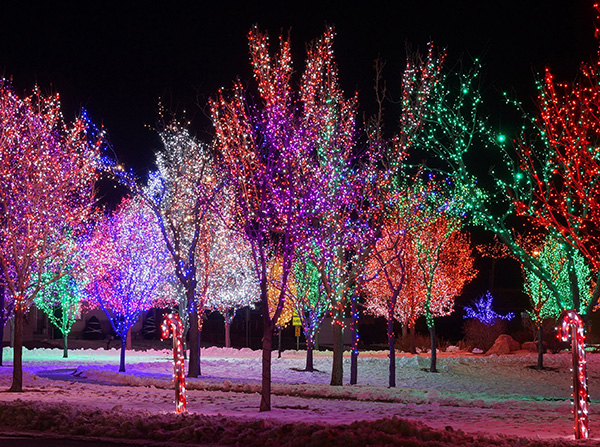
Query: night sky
117 61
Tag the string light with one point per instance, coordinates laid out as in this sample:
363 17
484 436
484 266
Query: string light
171 326
571 327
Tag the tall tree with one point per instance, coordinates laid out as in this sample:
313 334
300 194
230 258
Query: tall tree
127 267
181 193
47 178
263 150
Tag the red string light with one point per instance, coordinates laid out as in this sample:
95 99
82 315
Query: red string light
172 323
572 328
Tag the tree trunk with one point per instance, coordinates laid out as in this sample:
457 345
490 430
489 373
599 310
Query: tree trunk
405 336
65 346
123 348
279 343
2 322
267 342
309 355
392 350
194 362
227 334
354 351
411 340
337 369
17 383
540 359
128 338
433 364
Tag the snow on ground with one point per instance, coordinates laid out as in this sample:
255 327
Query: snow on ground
496 395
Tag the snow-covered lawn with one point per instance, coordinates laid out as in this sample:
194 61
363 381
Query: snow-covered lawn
495 395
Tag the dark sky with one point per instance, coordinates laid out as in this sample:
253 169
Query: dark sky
116 61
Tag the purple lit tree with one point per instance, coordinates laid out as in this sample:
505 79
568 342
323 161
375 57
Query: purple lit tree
264 151
47 178
127 267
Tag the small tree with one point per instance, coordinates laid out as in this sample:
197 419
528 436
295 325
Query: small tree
554 256
233 285
310 303
127 267
47 178
445 264
61 302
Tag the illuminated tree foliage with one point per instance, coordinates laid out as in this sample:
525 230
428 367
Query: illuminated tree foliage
47 177
264 150
127 267
386 267
61 302
181 193
443 256
559 185
310 303
455 129
233 285
554 256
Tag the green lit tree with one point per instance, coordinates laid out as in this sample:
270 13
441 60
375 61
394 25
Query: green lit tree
555 256
61 302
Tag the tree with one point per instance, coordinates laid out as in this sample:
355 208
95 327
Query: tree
234 285
181 193
386 268
127 267
47 177
263 152
554 256
443 256
310 303
61 302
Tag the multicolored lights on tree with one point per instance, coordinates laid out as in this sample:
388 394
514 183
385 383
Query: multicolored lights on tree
264 150
127 267
571 327
171 326
47 178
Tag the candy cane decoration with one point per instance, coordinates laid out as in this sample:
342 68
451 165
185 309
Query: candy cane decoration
173 322
572 327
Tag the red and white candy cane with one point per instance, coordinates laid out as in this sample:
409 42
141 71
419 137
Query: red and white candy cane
173 322
572 327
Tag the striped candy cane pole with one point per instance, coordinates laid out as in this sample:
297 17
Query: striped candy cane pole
572 327
172 322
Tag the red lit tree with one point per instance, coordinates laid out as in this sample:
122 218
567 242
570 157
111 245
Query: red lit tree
47 178
387 266
127 268
445 264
